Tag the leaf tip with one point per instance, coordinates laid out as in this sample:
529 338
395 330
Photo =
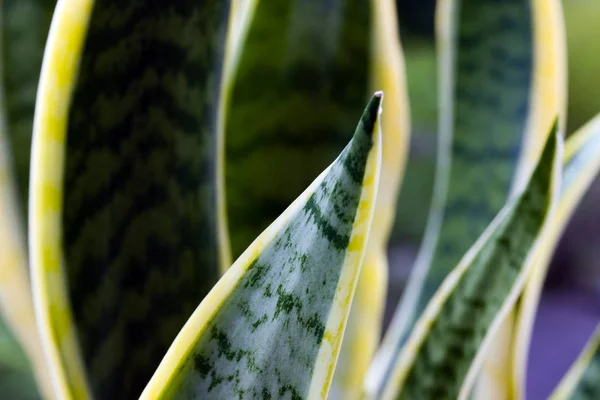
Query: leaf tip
371 113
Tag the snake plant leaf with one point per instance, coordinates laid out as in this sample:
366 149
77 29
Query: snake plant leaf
548 98
273 325
123 230
581 164
497 102
443 354
582 381
363 330
294 55
24 26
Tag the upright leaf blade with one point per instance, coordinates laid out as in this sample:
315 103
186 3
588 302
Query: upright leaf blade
306 65
486 80
124 228
442 356
581 164
309 66
363 331
505 367
272 326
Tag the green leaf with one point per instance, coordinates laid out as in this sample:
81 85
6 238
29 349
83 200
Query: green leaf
442 356
501 85
309 66
272 326
124 229
582 381
580 166
305 64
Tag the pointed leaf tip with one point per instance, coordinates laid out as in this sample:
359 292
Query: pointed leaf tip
370 115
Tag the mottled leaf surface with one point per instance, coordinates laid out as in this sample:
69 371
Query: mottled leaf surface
272 326
486 53
580 167
125 167
440 358
363 330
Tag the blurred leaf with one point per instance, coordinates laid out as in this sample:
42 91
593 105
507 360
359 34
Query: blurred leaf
272 326
581 165
124 186
309 66
24 26
363 330
581 19
504 369
16 379
486 83
306 65
442 355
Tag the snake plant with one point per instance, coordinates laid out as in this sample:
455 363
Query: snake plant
211 185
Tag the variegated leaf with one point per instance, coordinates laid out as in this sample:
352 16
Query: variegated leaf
124 238
306 64
505 366
290 56
443 354
363 330
499 90
272 326
581 164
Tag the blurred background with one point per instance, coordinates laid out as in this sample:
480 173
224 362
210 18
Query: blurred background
570 307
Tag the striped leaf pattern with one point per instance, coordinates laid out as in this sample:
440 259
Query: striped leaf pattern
442 356
272 326
505 366
124 227
294 55
305 63
580 166
486 54
363 331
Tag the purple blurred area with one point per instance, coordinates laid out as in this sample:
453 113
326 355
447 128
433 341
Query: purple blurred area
565 321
